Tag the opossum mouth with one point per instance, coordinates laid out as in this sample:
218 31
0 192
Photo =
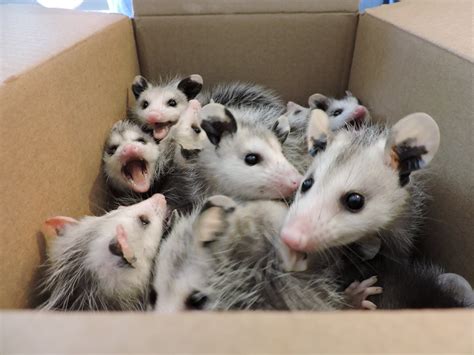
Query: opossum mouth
136 174
161 129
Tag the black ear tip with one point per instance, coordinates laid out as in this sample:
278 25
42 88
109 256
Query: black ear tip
139 85
191 86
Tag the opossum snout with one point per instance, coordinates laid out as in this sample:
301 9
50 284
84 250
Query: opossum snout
290 183
155 117
158 200
296 237
130 151
359 113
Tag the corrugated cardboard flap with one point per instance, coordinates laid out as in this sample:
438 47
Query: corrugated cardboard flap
206 7
252 333
445 23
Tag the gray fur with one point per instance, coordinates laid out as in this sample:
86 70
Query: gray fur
240 269
81 273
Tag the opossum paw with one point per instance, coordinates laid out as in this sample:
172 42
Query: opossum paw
357 293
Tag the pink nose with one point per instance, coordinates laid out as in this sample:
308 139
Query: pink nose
156 117
130 151
295 237
359 113
158 200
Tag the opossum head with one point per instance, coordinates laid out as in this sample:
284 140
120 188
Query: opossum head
246 160
357 183
116 249
130 158
347 111
158 107
206 246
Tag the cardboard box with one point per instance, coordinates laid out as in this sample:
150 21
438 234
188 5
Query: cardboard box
65 80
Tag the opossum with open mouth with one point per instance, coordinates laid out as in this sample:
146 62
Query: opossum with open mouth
228 255
103 263
159 106
361 194
136 167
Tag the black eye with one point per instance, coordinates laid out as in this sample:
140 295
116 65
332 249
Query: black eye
145 104
306 185
141 140
111 150
252 159
144 220
196 129
172 103
196 301
337 112
353 201
297 112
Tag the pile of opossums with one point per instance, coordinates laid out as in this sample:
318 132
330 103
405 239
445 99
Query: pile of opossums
228 199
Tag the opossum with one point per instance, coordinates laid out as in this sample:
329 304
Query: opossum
345 112
228 255
158 107
243 159
361 184
362 188
342 112
136 167
103 263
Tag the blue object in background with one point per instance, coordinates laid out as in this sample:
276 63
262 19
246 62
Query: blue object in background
121 6
365 4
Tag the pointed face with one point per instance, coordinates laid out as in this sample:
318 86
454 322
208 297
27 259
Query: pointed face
130 158
116 249
356 184
159 107
127 240
341 112
246 161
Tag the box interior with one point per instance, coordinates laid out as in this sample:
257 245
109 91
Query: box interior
74 73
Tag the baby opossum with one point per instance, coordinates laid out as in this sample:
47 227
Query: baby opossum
344 112
158 107
243 159
136 167
229 256
347 111
103 263
360 184
361 188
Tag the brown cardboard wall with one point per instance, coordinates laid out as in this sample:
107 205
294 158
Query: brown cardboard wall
396 73
54 121
296 54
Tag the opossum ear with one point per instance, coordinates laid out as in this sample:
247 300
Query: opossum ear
368 248
139 85
319 132
173 218
119 246
54 226
348 93
191 86
412 144
217 121
211 222
291 107
318 101
281 128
